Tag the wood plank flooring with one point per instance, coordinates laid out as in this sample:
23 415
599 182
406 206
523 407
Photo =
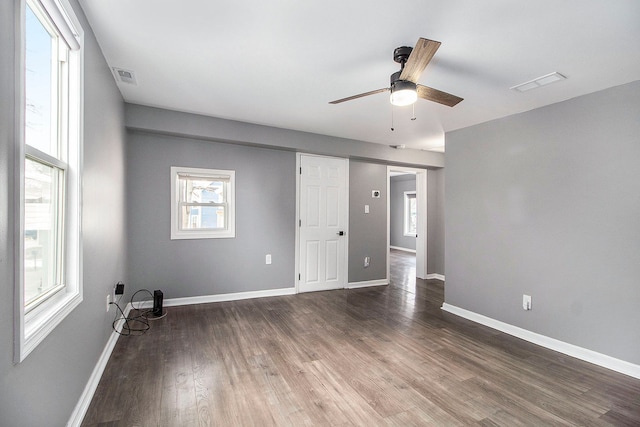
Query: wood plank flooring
383 356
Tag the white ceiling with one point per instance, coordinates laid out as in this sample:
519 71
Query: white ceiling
280 62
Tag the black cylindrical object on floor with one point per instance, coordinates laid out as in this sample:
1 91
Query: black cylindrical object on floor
157 303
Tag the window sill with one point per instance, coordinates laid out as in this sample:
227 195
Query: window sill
199 234
42 321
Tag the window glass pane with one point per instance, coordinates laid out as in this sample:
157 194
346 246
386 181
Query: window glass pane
42 219
40 88
200 190
202 216
412 214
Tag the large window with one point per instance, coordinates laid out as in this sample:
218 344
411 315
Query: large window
49 283
410 213
203 203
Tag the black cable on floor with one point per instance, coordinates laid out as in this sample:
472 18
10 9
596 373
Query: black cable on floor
133 325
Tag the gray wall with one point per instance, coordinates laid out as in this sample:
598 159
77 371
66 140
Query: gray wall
547 203
156 120
435 221
367 171
397 186
56 372
265 219
367 232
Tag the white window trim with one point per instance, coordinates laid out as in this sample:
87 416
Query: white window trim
229 231
405 214
33 327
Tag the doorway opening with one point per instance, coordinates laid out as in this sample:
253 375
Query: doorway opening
407 216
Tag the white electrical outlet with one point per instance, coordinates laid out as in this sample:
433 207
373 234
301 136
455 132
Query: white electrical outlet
367 261
526 302
267 259
108 302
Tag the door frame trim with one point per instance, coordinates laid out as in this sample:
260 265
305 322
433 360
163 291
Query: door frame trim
421 198
299 155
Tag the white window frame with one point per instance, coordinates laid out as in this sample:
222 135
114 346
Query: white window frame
229 231
34 324
408 195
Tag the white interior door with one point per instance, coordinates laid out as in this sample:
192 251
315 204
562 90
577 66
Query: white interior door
323 214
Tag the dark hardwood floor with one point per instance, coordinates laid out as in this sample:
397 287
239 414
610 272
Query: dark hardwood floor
375 357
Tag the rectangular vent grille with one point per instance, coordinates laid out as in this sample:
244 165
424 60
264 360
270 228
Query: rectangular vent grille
124 76
539 82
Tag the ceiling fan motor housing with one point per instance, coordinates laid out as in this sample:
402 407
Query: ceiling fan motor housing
403 92
397 84
401 54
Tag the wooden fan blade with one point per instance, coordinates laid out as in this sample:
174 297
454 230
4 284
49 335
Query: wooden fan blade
373 92
438 96
420 56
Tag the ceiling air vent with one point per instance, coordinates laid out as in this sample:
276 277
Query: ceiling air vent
124 76
539 82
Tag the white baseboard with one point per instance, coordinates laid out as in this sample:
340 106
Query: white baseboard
366 284
581 353
398 248
205 299
89 390
435 276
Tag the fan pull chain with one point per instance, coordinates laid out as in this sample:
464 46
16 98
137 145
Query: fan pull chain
392 129
413 117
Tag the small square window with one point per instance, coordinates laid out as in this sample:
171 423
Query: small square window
202 203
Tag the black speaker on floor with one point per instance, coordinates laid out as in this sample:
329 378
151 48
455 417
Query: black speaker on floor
157 303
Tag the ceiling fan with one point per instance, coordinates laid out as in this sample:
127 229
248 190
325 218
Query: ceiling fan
404 89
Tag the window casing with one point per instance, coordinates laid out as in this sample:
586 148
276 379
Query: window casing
48 285
202 203
410 213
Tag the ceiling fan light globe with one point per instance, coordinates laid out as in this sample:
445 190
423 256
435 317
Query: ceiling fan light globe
404 97
403 93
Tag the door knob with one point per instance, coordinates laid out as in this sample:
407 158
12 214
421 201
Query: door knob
340 233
